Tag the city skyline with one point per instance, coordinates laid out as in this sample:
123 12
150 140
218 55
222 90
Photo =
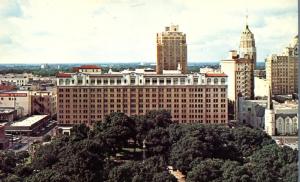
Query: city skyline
72 31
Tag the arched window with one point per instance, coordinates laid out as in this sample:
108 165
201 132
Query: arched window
208 80
295 124
67 81
288 125
280 126
223 80
61 81
216 81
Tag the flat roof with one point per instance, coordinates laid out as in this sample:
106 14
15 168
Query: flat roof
6 111
29 121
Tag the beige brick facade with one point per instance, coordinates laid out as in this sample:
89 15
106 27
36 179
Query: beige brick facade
282 70
189 98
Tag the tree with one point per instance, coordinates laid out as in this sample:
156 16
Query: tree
207 170
125 172
23 170
49 175
160 118
142 127
270 160
176 131
13 178
202 152
79 132
158 142
116 130
248 140
46 138
289 172
234 171
185 151
7 162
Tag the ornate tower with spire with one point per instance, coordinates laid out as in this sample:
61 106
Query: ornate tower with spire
247 44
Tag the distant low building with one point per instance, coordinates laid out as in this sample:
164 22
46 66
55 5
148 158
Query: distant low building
209 70
6 86
28 126
44 102
16 79
45 66
8 114
87 69
29 87
260 73
252 112
19 100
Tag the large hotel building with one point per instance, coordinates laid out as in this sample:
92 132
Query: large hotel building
86 97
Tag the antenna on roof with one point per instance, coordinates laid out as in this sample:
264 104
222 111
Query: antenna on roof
246 17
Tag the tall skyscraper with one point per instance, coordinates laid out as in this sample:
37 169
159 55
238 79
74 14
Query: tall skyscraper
171 50
247 44
282 70
240 69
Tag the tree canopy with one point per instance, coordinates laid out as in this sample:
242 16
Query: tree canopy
140 148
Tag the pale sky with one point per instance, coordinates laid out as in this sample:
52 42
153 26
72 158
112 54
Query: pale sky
71 31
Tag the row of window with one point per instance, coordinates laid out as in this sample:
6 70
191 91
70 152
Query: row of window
99 117
168 81
147 101
93 110
86 90
95 96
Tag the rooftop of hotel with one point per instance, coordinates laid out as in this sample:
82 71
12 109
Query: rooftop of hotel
29 121
215 75
147 71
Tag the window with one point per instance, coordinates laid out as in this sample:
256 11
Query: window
208 80
168 81
216 81
132 81
175 80
154 80
182 80
223 81
195 80
161 81
147 81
